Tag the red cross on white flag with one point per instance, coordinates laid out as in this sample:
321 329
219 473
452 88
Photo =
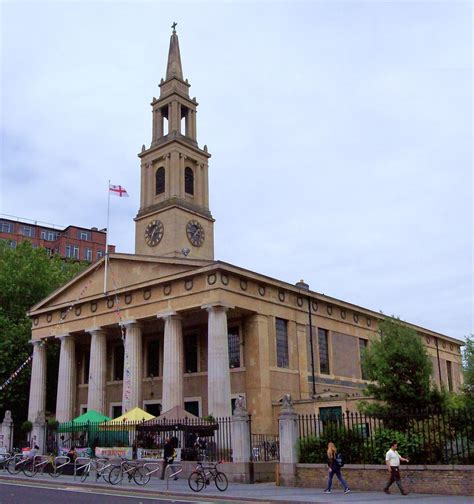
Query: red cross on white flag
118 190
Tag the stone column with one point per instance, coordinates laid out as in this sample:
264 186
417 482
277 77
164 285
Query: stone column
6 430
132 367
37 402
173 362
218 374
97 371
65 402
288 434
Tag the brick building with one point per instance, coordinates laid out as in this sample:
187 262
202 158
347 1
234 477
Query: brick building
71 242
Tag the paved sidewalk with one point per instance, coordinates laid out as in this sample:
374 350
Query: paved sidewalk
264 492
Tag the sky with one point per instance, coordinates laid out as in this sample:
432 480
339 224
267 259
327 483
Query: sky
340 134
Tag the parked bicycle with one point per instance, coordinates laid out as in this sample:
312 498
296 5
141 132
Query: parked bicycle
40 463
17 463
101 467
203 474
133 470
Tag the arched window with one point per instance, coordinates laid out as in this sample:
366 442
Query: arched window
160 180
188 181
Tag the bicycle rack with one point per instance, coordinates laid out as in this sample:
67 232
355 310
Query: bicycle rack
179 469
85 461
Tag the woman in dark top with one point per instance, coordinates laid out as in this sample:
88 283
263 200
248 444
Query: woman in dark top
334 469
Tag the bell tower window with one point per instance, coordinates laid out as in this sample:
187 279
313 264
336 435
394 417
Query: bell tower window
188 181
160 178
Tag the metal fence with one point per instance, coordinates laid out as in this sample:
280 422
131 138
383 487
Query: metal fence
435 438
265 447
194 438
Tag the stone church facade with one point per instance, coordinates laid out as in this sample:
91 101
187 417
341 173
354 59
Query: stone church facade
177 328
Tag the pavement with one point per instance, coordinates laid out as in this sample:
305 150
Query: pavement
256 493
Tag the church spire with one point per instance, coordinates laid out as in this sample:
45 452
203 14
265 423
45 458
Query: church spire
174 68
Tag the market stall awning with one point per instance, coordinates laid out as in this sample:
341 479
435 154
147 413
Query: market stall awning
133 417
83 422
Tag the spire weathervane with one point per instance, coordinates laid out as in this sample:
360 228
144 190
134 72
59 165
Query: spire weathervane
174 26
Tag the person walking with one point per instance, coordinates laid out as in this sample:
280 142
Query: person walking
392 460
334 467
168 456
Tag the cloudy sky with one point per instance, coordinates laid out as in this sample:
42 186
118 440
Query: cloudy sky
340 134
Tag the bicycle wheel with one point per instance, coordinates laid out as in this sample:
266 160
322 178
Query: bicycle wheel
141 476
196 481
85 473
115 475
221 482
28 469
13 467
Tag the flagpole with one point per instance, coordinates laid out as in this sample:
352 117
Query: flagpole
107 240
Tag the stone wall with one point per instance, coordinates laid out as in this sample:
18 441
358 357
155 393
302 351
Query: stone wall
439 479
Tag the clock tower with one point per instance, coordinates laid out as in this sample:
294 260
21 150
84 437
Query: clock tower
174 219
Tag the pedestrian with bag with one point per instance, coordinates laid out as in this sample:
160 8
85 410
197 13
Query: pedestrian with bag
392 460
335 462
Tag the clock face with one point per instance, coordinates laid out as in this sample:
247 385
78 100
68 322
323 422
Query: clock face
154 233
195 233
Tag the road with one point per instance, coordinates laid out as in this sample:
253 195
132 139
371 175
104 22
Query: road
35 493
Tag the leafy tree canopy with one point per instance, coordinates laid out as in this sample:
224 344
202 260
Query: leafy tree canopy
27 275
399 369
468 370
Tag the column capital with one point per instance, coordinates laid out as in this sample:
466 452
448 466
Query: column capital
36 343
168 315
218 304
96 329
131 323
64 336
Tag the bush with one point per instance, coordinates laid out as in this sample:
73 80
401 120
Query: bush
349 442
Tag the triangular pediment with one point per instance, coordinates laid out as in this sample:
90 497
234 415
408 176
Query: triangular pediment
124 270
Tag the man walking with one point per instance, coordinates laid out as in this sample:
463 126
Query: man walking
392 459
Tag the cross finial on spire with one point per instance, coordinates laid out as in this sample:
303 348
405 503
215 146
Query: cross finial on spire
174 26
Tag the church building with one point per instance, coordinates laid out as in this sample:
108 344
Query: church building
173 326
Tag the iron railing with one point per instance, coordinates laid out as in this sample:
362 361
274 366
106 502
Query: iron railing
425 438
194 438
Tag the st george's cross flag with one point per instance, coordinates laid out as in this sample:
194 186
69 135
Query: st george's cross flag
118 190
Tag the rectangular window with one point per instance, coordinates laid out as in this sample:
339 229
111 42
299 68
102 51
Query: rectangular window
192 407
234 347
6 227
12 244
153 408
49 251
88 254
153 358
450 375
75 252
100 254
85 366
84 235
330 414
83 409
49 235
191 353
363 343
323 351
27 231
281 327
117 374
116 411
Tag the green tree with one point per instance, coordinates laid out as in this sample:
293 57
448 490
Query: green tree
468 371
27 275
399 369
